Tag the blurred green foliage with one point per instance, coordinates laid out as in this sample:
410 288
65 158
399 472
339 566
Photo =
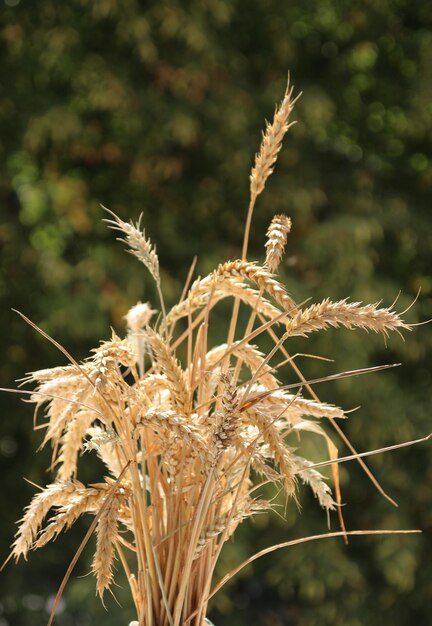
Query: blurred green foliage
157 107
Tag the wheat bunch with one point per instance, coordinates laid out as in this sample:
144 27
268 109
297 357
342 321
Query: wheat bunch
183 437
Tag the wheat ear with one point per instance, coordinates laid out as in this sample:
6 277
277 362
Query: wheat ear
136 240
288 405
316 482
261 277
277 235
82 501
205 288
279 452
252 357
72 443
228 523
169 366
139 246
54 495
349 314
227 417
107 536
271 144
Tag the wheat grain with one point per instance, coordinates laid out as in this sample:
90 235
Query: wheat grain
52 373
110 454
253 298
251 356
106 360
169 424
287 405
228 523
316 482
63 396
279 451
259 464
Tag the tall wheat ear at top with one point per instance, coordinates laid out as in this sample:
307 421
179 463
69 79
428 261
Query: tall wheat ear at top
187 443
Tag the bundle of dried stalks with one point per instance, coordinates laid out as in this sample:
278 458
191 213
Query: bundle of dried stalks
182 441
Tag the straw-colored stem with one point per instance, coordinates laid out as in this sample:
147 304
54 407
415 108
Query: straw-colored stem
248 227
249 327
195 532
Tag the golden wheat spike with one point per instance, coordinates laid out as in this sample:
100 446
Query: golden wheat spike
343 313
277 235
271 143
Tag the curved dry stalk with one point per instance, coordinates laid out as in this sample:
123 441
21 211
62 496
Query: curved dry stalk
295 542
360 455
248 402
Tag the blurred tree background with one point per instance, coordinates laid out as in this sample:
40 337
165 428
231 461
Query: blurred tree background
157 107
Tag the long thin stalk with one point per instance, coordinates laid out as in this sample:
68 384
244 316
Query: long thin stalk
295 542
